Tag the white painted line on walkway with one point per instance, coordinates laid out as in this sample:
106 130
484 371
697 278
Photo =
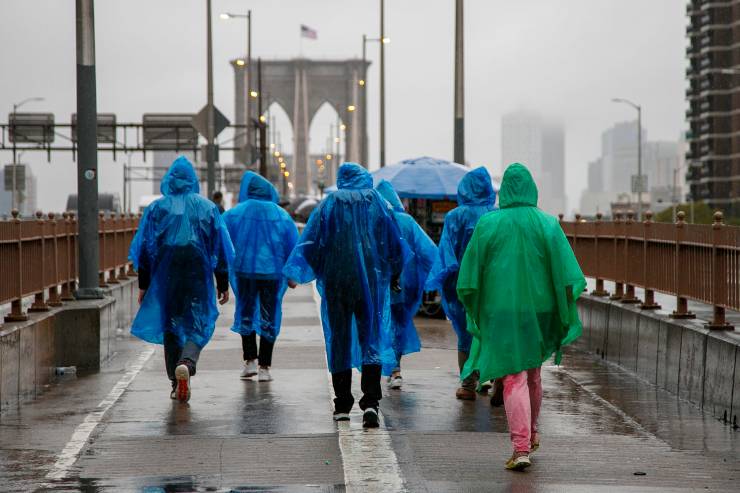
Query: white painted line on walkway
369 462
71 451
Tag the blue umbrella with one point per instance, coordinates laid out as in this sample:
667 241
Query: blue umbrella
422 178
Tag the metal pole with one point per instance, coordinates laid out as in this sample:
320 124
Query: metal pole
247 73
363 103
639 163
15 158
459 123
382 83
87 162
262 125
211 124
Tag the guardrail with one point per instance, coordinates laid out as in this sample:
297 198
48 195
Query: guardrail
689 261
39 256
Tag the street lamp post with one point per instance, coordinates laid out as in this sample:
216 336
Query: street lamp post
247 66
87 162
363 96
382 83
13 204
639 152
459 122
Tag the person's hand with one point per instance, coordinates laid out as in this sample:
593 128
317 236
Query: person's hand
142 292
292 284
223 297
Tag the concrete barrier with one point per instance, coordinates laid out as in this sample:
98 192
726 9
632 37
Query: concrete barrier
79 333
680 356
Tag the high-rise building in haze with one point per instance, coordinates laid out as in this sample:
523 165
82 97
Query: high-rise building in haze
610 176
714 96
526 137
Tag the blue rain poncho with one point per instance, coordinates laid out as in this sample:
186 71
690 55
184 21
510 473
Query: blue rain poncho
353 248
475 197
405 304
180 243
263 235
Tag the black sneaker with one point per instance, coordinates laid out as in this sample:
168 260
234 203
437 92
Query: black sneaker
370 418
341 416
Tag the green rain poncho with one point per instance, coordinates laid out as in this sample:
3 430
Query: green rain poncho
518 281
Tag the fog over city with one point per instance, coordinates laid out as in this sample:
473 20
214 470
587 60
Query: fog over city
566 59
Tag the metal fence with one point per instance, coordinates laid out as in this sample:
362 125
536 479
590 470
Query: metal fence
38 257
689 261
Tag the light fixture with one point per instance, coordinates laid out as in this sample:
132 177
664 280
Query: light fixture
240 62
361 82
319 162
272 145
287 174
282 165
336 140
343 126
254 94
328 157
351 107
386 41
225 16
263 119
276 153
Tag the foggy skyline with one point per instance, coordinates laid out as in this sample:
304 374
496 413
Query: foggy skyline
565 59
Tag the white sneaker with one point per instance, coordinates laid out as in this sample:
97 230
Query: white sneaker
395 382
249 370
264 375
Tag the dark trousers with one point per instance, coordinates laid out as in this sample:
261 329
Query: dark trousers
249 348
369 383
174 355
265 291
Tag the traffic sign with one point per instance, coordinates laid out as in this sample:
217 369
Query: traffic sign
200 122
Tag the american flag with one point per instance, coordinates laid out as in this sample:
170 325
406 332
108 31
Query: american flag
309 33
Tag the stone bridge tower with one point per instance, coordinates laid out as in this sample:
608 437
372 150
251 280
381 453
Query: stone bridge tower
300 86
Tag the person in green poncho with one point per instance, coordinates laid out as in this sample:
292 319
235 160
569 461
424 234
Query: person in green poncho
519 281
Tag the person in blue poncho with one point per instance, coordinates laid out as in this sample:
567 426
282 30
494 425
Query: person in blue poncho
353 248
179 246
263 235
475 197
405 304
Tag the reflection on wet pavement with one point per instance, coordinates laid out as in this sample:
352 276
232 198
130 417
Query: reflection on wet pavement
601 428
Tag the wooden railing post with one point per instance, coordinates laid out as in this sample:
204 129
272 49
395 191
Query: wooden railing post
649 303
599 291
719 277
682 304
619 267
102 252
629 295
39 303
130 272
112 254
16 306
54 289
68 284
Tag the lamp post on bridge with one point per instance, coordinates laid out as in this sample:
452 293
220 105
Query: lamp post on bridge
363 94
640 184
13 200
247 65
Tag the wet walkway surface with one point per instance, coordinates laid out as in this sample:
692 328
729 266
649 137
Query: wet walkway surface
601 429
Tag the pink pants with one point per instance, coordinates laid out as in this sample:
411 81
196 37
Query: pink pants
522 400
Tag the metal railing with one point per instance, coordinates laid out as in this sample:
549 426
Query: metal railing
38 257
689 261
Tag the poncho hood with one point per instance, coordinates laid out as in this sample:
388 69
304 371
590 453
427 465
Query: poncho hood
518 188
180 178
255 187
386 190
352 176
476 188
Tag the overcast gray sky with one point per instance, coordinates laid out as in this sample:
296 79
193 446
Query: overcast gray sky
566 58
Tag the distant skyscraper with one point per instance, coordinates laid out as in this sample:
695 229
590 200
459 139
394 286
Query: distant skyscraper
609 177
714 88
26 199
528 138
